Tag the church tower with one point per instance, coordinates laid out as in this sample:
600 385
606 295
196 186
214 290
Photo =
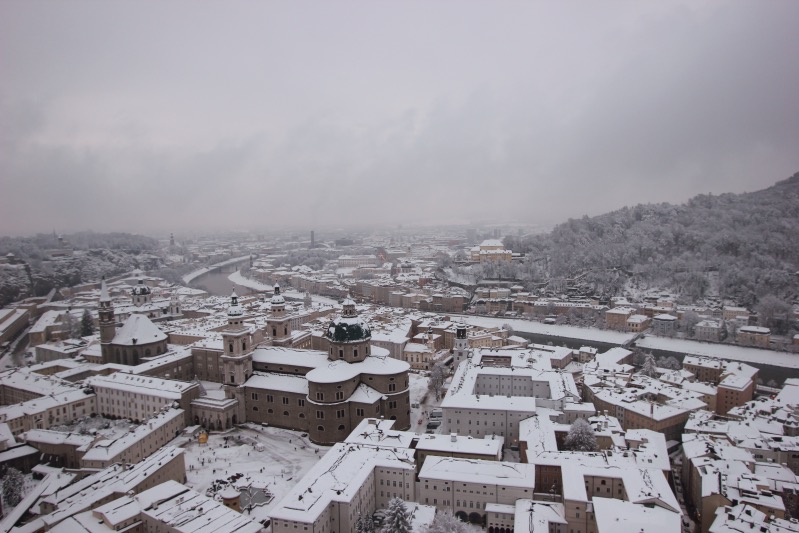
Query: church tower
278 324
174 303
461 346
142 295
107 322
236 346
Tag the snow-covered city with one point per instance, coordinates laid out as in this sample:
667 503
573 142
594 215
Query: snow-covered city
399 267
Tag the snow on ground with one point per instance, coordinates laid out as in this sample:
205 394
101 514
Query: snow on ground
99 425
285 457
723 351
200 271
567 332
239 279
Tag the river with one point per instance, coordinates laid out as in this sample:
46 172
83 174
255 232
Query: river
217 284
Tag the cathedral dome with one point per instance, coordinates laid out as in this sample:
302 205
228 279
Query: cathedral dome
349 327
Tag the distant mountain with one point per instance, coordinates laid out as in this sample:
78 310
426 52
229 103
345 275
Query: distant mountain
744 246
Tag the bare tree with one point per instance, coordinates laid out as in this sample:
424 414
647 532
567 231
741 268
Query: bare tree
437 378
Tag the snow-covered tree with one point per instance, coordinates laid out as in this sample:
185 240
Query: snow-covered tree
446 522
86 324
649 368
689 321
71 326
581 437
670 363
398 518
364 524
437 378
774 313
13 483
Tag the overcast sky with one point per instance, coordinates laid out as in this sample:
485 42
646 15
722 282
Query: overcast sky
166 116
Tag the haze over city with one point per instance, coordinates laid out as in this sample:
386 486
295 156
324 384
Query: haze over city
171 117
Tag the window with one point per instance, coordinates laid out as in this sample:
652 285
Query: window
285 401
320 414
320 396
359 412
392 387
270 398
341 354
339 395
285 413
254 395
230 347
320 428
341 427
301 402
392 404
340 413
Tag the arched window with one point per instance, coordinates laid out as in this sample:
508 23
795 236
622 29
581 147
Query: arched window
285 413
341 427
274 332
230 347
320 428
285 331
146 352
355 352
243 346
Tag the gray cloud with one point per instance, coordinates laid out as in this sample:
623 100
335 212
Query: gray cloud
152 117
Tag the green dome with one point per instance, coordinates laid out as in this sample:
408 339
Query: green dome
348 329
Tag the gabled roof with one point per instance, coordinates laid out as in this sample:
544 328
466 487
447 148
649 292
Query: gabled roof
138 329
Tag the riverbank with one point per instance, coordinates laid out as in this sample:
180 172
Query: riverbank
240 279
191 276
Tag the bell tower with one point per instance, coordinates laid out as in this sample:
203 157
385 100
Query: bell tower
236 346
107 322
278 325
461 345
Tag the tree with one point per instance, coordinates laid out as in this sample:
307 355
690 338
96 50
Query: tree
86 324
581 437
13 483
398 518
669 363
71 326
689 321
649 368
436 382
774 313
364 524
446 522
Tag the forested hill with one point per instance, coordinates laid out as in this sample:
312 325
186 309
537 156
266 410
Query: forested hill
92 255
744 245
